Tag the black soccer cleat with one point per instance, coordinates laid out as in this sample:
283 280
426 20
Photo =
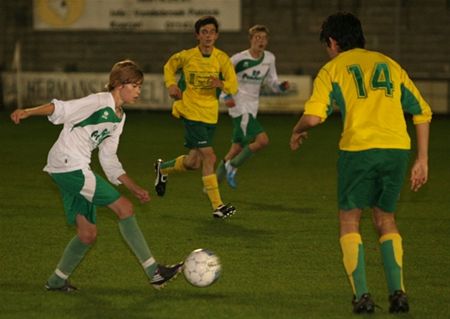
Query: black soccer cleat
164 274
398 302
224 211
67 287
160 180
365 304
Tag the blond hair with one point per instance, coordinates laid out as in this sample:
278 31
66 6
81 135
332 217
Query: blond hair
257 28
124 72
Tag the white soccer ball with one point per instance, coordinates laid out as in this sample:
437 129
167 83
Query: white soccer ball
202 268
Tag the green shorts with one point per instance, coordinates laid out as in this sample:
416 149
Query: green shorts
198 134
245 129
82 191
372 178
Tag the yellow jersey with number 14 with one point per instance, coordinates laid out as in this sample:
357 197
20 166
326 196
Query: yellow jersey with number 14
200 101
372 92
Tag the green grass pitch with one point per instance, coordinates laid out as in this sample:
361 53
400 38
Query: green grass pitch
280 252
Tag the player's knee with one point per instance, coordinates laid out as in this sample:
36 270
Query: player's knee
385 223
264 142
261 142
88 236
212 159
123 208
192 164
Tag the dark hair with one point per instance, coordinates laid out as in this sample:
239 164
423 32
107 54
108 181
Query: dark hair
345 28
124 72
204 21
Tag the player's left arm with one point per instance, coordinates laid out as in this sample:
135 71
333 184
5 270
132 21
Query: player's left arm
419 171
272 79
229 84
139 192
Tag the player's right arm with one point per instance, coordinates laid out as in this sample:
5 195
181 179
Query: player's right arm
170 70
300 130
20 114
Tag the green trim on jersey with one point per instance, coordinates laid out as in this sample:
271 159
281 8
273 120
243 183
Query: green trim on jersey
219 90
337 97
182 81
247 64
104 115
409 102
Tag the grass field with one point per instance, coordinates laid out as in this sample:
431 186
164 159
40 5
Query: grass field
280 252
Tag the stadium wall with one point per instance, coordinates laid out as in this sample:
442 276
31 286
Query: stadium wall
415 33
33 88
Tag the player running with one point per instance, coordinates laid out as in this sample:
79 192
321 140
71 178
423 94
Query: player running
254 67
205 71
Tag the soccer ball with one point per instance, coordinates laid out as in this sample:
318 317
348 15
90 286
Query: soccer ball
202 268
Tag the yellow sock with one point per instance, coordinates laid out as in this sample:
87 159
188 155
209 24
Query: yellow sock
172 166
354 264
212 189
392 255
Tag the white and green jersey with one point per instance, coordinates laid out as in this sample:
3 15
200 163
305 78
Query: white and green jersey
89 122
252 74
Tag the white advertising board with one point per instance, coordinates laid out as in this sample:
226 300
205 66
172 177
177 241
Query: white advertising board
133 15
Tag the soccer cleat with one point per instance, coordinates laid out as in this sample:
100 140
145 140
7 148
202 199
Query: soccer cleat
398 302
365 304
67 287
161 179
164 274
230 173
224 211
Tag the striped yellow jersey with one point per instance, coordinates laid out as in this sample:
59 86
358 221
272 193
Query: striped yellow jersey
200 100
372 93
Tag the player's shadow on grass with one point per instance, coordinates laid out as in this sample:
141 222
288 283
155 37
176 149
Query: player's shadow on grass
130 303
229 228
274 207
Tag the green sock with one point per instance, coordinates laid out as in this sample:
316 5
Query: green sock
133 236
354 264
244 155
72 256
168 164
220 171
392 255
359 275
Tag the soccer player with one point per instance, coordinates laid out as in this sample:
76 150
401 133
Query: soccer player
205 71
253 67
95 121
372 92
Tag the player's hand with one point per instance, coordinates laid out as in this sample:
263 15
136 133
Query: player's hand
18 115
141 194
297 140
419 174
229 102
284 86
215 82
175 92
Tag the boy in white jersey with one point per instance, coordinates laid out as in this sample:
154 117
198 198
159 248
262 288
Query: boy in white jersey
95 121
254 67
